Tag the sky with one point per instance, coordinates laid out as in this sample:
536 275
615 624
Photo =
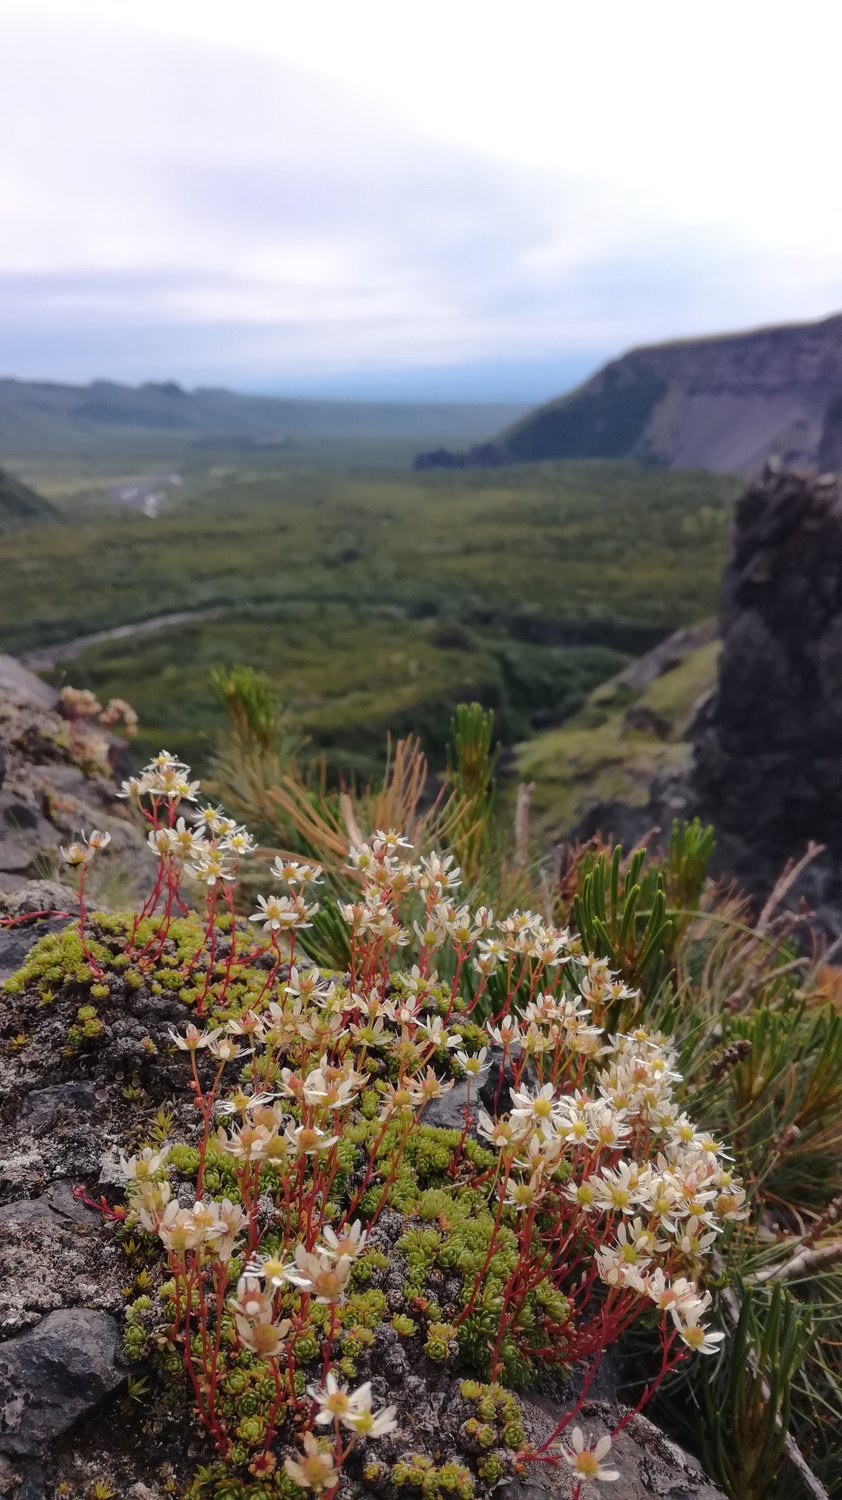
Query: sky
427 200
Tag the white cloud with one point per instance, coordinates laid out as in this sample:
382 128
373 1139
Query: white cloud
291 189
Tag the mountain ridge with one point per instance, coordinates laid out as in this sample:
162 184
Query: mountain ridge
42 419
723 402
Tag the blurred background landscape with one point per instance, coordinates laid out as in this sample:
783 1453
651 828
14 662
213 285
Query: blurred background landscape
313 346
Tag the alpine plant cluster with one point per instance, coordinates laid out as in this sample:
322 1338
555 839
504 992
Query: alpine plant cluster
575 1199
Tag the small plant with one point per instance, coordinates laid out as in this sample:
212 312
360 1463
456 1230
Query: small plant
316 1226
531 1238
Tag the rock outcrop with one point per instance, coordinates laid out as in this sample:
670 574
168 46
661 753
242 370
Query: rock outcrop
50 791
723 403
764 762
768 744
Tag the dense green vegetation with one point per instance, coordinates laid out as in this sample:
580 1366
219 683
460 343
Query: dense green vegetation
375 599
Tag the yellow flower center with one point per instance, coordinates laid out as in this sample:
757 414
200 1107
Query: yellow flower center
586 1464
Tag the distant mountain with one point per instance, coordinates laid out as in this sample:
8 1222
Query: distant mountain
19 504
40 420
724 403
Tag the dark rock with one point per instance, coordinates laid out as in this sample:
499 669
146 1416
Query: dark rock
767 742
495 1088
39 896
57 1203
41 1107
54 1373
19 814
448 1111
768 751
22 683
29 899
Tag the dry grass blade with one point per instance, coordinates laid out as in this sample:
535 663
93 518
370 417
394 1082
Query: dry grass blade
331 824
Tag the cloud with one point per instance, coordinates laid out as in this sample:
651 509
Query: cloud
230 203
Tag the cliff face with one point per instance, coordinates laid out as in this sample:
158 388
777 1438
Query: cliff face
759 755
769 745
723 404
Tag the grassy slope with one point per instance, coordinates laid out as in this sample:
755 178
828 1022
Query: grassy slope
377 599
599 754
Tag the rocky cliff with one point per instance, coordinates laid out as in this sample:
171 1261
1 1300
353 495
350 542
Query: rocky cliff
723 404
768 743
762 753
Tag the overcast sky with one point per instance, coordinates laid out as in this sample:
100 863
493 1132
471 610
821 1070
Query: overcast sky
429 198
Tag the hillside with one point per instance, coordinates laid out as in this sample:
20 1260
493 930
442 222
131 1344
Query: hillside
724 404
105 419
631 730
19 504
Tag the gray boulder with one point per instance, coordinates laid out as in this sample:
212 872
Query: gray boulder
55 1373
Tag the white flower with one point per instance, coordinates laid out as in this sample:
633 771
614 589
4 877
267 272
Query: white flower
293 872
361 1419
692 1331
539 1110
281 913
333 1400
472 1065
75 854
586 1461
321 1276
144 1166
211 867
193 1038
267 1268
238 842
97 839
350 1242
312 1469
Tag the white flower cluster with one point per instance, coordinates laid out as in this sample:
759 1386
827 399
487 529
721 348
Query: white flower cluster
386 878
337 1405
164 779
210 845
667 1200
593 1143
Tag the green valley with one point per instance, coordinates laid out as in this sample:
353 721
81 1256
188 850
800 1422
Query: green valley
372 598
